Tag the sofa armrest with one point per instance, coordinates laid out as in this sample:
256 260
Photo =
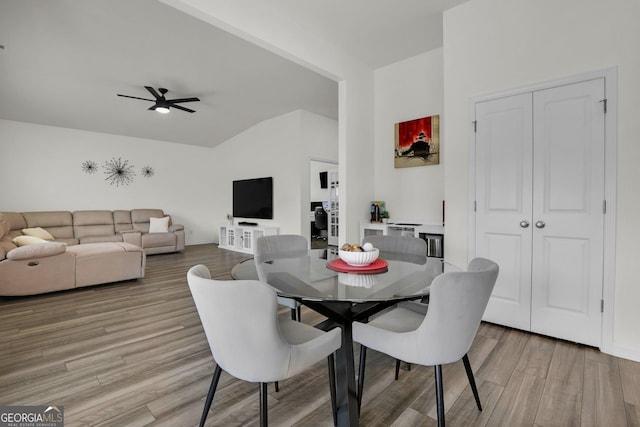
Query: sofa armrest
131 236
38 250
175 227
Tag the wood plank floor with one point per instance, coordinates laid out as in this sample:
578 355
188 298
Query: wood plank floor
134 354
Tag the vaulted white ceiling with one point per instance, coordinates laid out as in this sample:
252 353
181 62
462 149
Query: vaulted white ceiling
64 61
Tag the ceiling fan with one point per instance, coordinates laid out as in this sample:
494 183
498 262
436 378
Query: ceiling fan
162 104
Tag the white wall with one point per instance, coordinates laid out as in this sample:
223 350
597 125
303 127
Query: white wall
496 45
281 35
41 169
408 90
279 148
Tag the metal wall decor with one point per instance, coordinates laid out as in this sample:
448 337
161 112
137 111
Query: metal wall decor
119 172
89 166
147 172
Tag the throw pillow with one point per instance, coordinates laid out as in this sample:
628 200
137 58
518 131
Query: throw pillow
27 240
37 251
159 225
37 232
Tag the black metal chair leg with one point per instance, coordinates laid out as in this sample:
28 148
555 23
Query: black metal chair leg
472 381
212 391
277 385
293 314
331 361
398 367
439 396
299 313
363 358
263 405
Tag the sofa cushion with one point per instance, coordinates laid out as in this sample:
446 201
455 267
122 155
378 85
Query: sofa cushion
122 221
27 240
37 232
153 240
5 226
16 223
93 223
58 223
40 250
159 225
140 218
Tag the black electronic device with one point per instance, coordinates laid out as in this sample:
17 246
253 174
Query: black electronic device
253 224
323 179
253 198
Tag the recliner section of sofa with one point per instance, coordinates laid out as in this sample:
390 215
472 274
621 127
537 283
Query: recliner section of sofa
89 247
98 226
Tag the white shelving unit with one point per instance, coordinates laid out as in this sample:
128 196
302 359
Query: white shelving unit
433 233
334 209
242 238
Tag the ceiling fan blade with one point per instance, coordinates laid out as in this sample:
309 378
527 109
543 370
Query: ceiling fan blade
174 101
152 91
153 107
182 108
135 97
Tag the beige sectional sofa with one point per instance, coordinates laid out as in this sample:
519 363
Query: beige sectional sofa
88 248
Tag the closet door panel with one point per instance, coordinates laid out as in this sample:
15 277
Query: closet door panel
503 202
568 196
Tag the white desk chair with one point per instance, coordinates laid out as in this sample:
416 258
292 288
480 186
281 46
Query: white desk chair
260 347
443 335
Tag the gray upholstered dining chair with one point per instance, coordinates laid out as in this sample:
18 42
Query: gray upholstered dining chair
443 335
262 347
413 249
280 246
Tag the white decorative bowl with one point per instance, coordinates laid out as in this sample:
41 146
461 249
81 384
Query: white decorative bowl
359 259
357 280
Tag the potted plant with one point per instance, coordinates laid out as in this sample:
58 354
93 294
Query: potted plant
384 215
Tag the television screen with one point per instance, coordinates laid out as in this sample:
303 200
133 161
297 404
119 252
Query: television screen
323 179
253 198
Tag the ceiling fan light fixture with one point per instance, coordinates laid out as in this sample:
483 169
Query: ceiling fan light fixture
162 110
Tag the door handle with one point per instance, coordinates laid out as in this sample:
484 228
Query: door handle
524 224
540 224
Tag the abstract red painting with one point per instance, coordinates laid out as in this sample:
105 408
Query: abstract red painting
417 142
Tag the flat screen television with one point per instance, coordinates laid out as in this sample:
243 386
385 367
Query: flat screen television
253 198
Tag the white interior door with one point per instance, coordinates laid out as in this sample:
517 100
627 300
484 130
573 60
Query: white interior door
503 202
539 208
568 198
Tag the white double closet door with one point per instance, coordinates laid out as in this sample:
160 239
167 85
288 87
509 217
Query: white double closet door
539 191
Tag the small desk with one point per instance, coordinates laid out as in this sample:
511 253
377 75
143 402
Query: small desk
344 298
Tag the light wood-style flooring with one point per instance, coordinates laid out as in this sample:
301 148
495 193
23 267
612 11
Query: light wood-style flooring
134 354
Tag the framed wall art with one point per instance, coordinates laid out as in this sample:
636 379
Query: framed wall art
417 142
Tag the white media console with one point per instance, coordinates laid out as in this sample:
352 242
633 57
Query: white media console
433 233
242 238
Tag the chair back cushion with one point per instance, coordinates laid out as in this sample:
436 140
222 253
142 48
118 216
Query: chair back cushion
281 246
239 318
457 302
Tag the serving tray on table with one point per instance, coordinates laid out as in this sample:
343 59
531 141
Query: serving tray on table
377 266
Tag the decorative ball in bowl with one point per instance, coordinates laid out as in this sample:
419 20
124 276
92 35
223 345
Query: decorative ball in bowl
359 259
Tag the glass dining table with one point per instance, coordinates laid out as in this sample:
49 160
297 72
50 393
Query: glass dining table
320 282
